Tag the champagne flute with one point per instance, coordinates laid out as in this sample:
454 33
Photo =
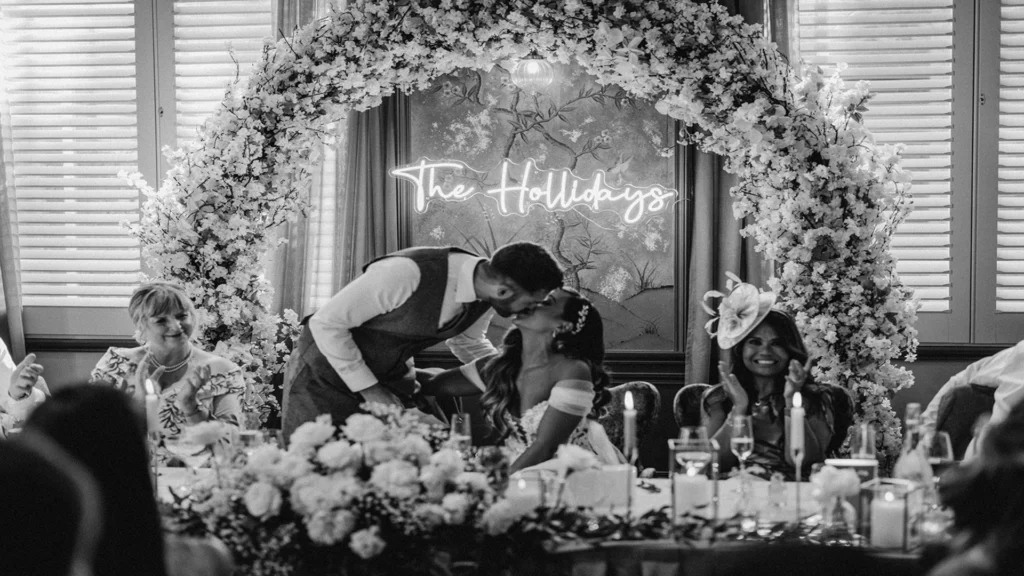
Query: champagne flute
461 436
742 440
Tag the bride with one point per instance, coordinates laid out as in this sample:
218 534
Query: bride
546 387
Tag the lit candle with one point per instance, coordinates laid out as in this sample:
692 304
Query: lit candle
888 513
691 493
629 428
152 407
796 429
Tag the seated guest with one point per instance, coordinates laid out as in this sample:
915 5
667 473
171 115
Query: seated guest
987 498
1003 371
765 363
102 429
194 385
22 388
546 386
50 511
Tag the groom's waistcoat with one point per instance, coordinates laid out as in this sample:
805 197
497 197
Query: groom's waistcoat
388 340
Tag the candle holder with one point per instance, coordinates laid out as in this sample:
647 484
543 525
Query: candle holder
893 507
694 479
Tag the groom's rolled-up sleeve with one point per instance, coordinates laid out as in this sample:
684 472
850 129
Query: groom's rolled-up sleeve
472 343
384 286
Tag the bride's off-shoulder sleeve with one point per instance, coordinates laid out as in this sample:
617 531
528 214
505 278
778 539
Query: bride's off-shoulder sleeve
575 397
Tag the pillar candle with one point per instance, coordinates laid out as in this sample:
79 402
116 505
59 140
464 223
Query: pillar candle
691 493
629 427
888 516
152 407
525 495
796 432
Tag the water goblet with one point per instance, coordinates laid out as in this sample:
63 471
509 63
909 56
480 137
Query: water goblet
192 453
741 442
862 442
940 454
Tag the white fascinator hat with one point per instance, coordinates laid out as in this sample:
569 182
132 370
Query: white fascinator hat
740 311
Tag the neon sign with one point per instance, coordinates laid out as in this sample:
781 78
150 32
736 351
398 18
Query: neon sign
522 186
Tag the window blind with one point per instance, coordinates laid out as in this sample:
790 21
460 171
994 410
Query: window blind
205 34
70 91
1010 226
905 49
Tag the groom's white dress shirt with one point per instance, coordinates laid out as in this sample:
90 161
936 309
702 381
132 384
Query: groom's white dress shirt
383 287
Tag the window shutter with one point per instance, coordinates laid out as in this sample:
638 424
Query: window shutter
905 49
1010 228
203 66
70 89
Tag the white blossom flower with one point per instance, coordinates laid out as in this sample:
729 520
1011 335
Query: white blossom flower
367 543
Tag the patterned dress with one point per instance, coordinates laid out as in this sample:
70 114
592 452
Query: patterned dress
220 396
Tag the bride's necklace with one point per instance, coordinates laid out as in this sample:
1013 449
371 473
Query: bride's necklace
173 367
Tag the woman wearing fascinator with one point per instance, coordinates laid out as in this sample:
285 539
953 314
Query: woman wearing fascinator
546 386
763 364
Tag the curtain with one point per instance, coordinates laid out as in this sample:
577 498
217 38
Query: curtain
11 328
714 240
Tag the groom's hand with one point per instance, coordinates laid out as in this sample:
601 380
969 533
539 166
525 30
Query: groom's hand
378 393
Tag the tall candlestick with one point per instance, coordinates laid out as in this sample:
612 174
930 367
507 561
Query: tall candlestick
796 428
152 407
629 429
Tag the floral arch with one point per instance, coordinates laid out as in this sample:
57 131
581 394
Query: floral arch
823 199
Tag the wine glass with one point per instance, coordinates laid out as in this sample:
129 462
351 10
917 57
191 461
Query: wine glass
461 436
742 439
940 454
862 442
192 453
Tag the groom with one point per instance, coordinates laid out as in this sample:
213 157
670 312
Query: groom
360 345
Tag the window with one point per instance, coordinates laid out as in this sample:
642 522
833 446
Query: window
628 269
948 77
90 88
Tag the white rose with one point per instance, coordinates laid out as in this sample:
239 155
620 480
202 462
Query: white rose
456 505
431 515
327 527
263 459
340 455
476 481
288 468
449 460
500 517
397 478
414 449
434 479
366 543
572 457
311 434
364 428
263 500
378 451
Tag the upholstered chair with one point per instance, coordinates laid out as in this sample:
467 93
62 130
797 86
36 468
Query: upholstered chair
686 406
959 409
646 402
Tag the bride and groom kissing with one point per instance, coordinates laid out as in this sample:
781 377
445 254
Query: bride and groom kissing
537 391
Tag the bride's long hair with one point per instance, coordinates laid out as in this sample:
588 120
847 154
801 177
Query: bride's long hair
585 341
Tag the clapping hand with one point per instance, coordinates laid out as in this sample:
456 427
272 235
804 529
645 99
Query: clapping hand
733 389
796 377
186 400
145 372
26 376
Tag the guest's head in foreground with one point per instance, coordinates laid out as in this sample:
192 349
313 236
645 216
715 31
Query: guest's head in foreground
50 510
101 428
516 277
987 497
566 325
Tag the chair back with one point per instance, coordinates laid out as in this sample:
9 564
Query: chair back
686 406
646 402
959 409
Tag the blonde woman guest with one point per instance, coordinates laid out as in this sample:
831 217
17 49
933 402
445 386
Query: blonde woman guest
194 385
22 388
